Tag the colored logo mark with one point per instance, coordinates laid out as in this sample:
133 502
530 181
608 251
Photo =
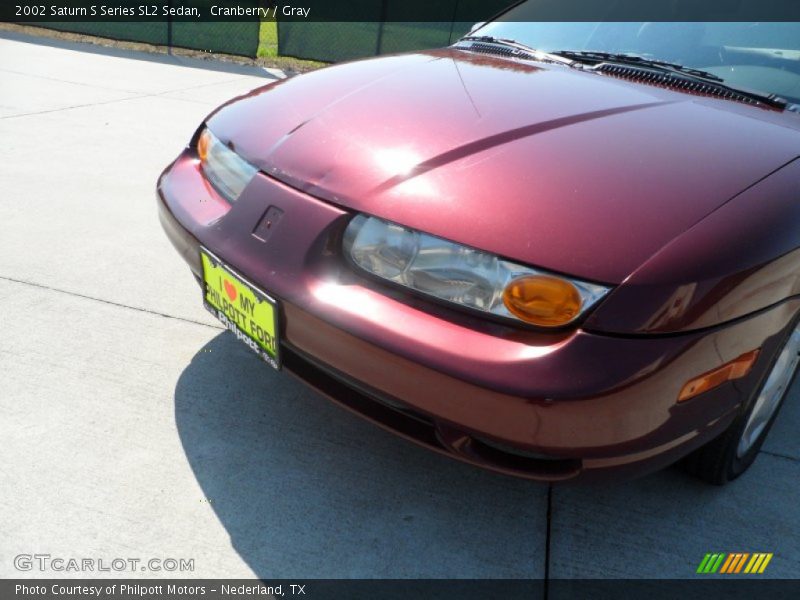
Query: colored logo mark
734 562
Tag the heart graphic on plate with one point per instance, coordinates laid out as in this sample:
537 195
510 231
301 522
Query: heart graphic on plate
230 290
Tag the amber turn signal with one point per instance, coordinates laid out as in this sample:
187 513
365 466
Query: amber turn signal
738 367
542 300
203 143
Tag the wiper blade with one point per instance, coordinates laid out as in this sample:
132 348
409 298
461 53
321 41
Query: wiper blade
673 69
518 49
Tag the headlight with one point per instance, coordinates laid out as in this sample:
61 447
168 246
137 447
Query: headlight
465 276
228 172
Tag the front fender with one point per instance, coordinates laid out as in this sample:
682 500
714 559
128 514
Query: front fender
739 259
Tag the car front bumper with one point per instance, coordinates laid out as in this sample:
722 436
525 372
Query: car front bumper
574 405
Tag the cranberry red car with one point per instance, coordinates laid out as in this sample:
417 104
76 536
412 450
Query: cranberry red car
565 263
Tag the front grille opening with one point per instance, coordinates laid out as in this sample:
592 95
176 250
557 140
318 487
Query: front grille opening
358 399
395 417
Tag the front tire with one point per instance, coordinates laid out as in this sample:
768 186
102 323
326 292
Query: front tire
728 456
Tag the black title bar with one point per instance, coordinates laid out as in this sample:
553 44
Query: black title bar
710 588
40 11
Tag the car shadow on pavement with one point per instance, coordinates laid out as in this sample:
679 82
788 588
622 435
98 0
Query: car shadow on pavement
306 489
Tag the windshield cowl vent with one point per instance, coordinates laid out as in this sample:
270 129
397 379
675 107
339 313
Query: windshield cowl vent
501 50
673 82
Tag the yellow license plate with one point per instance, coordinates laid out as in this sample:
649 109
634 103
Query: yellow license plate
248 312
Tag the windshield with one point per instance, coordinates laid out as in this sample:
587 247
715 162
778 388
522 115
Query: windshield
757 56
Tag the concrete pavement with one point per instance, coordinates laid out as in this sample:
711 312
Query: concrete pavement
133 426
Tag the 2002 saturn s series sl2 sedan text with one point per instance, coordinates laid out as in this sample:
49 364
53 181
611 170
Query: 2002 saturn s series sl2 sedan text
563 263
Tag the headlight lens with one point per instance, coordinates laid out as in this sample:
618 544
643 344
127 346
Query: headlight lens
228 172
465 276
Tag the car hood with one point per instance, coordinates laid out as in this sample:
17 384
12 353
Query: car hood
571 171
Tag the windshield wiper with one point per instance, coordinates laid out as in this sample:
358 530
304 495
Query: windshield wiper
518 49
677 70
592 56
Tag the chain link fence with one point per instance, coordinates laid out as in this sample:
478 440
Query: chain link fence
240 37
368 28
386 32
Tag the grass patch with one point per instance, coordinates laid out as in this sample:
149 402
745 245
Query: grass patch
268 39
267 52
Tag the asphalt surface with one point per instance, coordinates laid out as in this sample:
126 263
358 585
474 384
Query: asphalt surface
132 426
